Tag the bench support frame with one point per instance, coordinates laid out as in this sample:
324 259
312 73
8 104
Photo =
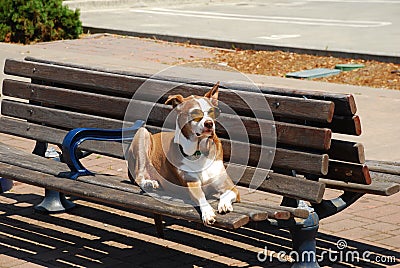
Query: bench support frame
304 242
76 136
54 202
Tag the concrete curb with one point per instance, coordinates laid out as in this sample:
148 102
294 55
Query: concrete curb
247 46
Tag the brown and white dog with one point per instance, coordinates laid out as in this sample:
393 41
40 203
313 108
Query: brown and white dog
191 156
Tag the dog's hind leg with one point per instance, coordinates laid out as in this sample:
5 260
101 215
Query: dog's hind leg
139 159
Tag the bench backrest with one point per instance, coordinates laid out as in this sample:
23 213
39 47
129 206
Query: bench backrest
61 97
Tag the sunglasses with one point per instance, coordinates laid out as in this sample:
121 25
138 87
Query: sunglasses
198 114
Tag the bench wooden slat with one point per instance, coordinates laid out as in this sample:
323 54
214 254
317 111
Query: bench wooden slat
347 151
349 125
55 136
343 125
294 212
385 177
285 133
54 117
287 159
252 213
115 197
273 184
344 103
80 101
389 167
376 187
276 183
301 161
348 172
313 110
251 209
290 134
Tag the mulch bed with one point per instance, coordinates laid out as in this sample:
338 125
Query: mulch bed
277 63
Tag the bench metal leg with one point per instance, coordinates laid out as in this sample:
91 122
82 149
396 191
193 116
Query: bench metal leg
5 185
304 242
158 221
54 202
40 148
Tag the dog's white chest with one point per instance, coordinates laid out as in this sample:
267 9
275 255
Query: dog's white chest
203 169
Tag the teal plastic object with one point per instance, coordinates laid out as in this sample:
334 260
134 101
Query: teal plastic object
349 66
313 73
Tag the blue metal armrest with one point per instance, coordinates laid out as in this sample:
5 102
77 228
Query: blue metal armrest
330 207
76 136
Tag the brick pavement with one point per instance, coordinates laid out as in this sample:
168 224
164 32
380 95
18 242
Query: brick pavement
93 235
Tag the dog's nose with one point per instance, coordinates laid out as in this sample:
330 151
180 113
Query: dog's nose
209 124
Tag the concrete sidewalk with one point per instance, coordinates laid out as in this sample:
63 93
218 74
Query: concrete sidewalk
366 28
97 236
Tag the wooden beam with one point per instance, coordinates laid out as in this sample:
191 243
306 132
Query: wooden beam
294 187
376 187
293 212
55 136
350 125
346 125
80 101
384 177
344 103
348 172
388 167
347 151
285 106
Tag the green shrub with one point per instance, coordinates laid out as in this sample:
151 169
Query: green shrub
25 21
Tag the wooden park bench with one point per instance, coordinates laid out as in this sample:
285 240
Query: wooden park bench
61 97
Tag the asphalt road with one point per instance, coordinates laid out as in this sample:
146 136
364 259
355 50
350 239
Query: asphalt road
370 26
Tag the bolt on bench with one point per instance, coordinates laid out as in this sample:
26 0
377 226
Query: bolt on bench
62 97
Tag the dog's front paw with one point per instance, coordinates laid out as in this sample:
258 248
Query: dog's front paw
225 205
208 215
225 202
149 184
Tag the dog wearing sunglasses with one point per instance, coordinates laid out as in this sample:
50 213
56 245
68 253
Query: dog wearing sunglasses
190 157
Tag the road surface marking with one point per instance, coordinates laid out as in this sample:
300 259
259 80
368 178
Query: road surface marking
359 1
279 36
273 19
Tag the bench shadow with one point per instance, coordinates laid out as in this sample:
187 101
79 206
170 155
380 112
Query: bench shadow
93 235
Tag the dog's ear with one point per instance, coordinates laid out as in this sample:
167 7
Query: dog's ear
213 94
174 100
